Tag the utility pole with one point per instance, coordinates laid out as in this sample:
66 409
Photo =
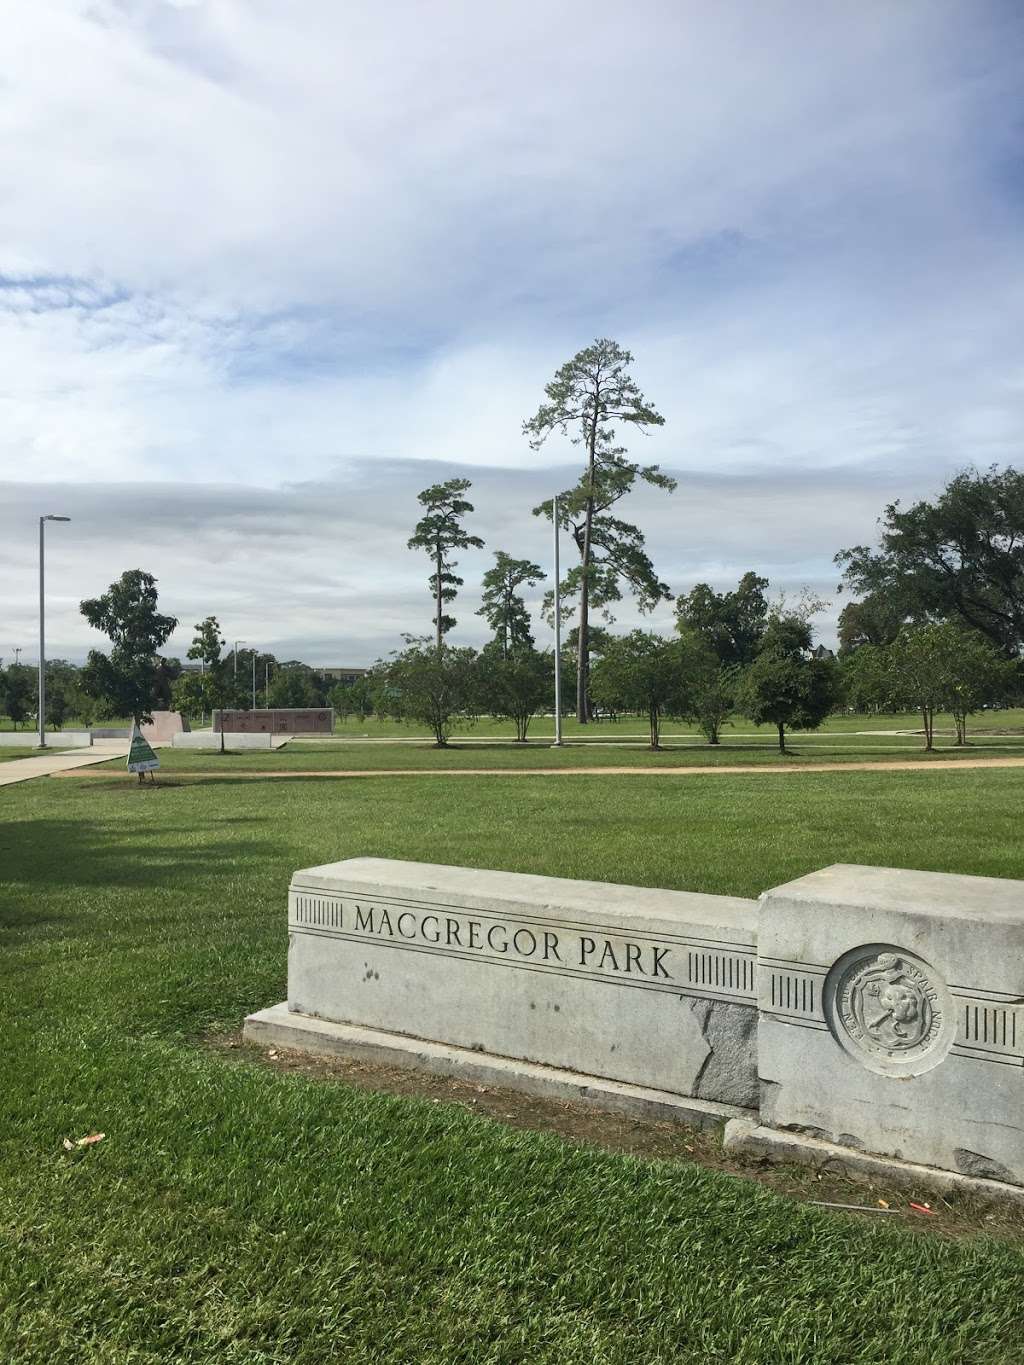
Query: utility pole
42 632
254 680
558 634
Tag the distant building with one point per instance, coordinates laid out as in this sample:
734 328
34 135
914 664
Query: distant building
823 652
337 673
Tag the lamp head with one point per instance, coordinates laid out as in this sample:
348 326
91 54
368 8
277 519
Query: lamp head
54 518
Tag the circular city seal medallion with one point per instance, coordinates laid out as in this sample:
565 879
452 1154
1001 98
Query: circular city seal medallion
888 1008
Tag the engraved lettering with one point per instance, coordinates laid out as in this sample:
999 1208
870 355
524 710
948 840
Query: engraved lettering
364 919
633 959
608 956
453 932
436 937
524 934
474 934
385 918
659 955
501 947
587 946
406 914
551 947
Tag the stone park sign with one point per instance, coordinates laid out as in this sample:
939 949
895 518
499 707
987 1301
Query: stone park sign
870 1015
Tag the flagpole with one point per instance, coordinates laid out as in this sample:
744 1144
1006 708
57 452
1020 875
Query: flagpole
558 633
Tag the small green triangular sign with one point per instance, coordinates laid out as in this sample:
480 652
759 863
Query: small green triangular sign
141 758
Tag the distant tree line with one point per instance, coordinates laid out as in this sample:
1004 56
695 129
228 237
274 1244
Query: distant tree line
937 623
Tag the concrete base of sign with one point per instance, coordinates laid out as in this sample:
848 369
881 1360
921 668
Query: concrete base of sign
745 1137
645 987
281 1027
892 1015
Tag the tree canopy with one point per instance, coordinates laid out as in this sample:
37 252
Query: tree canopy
126 680
960 557
440 531
515 685
731 624
786 686
503 607
431 685
588 394
937 666
646 673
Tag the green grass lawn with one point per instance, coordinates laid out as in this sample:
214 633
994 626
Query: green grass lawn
10 752
352 754
240 1215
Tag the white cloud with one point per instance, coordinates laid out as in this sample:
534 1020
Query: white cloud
252 245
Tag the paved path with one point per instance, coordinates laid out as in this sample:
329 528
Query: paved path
693 770
58 761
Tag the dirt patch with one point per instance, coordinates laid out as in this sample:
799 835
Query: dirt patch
955 1216
694 770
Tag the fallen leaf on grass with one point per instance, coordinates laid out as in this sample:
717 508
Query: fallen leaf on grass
87 1141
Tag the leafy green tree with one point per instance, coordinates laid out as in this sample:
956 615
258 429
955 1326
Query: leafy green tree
786 685
730 624
440 532
429 686
207 643
126 680
589 393
713 686
959 558
293 687
867 685
515 685
648 674
340 698
193 694
20 689
61 692
877 620
935 667
354 698
503 607
167 670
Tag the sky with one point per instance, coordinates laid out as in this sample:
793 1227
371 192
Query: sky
267 270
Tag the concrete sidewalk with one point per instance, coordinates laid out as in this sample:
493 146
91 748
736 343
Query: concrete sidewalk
61 761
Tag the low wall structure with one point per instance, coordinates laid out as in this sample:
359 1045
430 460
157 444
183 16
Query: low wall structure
165 725
206 739
56 739
866 1014
280 720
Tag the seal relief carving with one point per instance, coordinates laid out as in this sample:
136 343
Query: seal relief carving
889 1007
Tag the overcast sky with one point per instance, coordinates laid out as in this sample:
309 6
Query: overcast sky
269 269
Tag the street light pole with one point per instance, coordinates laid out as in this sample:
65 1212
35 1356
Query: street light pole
42 630
234 654
558 634
254 680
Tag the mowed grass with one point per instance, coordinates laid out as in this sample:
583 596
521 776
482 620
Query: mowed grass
241 1215
13 751
382 754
